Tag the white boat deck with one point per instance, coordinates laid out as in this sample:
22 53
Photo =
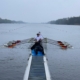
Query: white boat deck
37 70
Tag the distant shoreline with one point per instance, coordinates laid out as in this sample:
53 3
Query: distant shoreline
14 23
5 21
67 21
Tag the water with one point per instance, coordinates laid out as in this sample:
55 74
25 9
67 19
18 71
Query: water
63 64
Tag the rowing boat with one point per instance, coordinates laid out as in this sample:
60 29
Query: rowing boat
37 68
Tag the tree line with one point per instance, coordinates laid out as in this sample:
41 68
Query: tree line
68 21
9 21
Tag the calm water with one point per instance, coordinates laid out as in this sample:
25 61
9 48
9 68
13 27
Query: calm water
63 64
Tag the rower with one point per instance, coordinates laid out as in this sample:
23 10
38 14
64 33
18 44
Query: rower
37 46
38 38
40 35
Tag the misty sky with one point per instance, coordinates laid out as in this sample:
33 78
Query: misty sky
38 10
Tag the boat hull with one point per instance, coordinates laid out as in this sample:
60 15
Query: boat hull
34 54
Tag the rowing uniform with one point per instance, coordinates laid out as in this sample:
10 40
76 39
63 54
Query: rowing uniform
39 38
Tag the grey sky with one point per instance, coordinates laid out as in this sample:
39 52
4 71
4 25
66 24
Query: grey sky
38 10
